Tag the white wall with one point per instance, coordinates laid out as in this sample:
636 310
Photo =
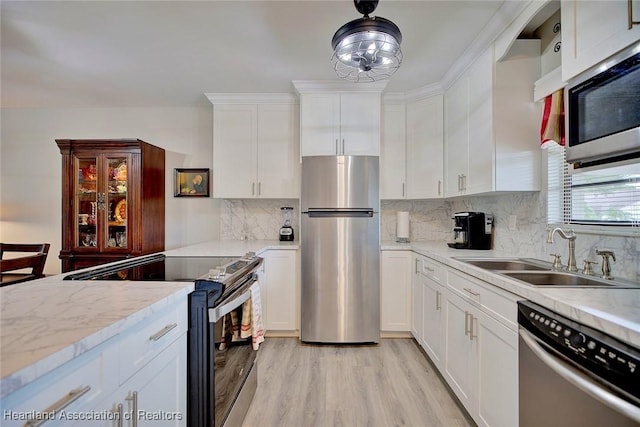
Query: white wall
30 167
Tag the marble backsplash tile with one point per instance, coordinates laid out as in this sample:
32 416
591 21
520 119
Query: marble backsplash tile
255 219
431 220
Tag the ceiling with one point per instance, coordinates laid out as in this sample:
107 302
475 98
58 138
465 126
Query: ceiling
169 53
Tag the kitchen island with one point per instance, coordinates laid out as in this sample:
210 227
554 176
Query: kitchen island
48 322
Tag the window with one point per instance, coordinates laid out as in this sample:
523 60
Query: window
603 197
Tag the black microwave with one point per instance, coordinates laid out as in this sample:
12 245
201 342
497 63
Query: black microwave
603 111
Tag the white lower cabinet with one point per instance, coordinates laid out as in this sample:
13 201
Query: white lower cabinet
469 332
417 324
433 319
395 291
460 350
143 369
279 290
497 370
155 395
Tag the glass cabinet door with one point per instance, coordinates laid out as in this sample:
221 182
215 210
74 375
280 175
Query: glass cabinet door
86 203
116 202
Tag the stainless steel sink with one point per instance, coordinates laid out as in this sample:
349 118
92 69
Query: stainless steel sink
520 264
565 279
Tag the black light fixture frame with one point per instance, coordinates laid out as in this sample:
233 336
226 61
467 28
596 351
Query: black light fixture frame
366 23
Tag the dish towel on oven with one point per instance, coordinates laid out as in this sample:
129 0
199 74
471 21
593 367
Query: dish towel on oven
240 325
252 317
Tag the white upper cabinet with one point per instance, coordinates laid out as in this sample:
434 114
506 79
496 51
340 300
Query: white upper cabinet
594 30
340 124
411 150
255 150
425 150
339 119
393 158
492 124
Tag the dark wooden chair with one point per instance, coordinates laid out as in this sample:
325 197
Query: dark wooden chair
12 270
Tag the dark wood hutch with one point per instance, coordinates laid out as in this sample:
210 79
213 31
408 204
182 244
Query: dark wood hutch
113 200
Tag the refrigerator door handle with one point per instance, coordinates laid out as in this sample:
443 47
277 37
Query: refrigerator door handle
339 213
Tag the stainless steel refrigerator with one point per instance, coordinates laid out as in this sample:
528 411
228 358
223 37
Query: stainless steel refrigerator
340 249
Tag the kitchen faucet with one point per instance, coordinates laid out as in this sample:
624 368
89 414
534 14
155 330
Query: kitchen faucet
571 237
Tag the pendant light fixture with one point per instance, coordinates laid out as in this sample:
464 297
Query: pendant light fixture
366 49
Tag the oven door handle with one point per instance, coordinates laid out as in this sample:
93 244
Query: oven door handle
578 379
219 312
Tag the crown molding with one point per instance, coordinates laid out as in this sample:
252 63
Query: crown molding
333 86
252 98
507 13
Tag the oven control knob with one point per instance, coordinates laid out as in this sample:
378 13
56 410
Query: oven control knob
567 332
578 340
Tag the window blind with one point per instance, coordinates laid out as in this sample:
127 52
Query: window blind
608 196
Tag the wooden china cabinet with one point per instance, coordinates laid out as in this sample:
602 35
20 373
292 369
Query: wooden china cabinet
113 193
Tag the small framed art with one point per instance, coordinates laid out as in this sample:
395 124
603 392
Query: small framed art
191 183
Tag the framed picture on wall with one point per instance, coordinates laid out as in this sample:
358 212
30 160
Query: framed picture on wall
191 183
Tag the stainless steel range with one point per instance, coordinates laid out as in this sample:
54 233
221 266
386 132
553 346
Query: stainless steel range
221 380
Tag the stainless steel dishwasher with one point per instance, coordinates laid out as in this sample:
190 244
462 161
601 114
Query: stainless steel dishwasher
573 375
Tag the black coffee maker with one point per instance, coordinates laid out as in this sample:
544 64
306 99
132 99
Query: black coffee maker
472 230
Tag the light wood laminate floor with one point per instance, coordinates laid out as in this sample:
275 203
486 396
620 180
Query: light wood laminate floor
389 384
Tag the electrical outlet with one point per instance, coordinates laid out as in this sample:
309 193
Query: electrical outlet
512 222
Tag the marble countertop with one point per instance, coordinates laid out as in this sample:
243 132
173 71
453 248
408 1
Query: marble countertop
231 248
613 311
47 322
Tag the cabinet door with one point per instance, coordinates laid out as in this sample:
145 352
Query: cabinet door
281 290
416 301
162 388
480 169
392 153
360 124
460 350
457 136
497 389
433 320
425 148
234 151
395 293
87 192
593 31
278 151
319 124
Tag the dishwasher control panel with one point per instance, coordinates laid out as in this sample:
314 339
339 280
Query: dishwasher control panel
615 361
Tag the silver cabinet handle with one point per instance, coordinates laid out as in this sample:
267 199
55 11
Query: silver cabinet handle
337 149
417 261
577 378
118 412
253 188
439 187
403 189
471 320
342 147
438 300
133 398
475 294
630 14
259 188
162 332
65 401
466 323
